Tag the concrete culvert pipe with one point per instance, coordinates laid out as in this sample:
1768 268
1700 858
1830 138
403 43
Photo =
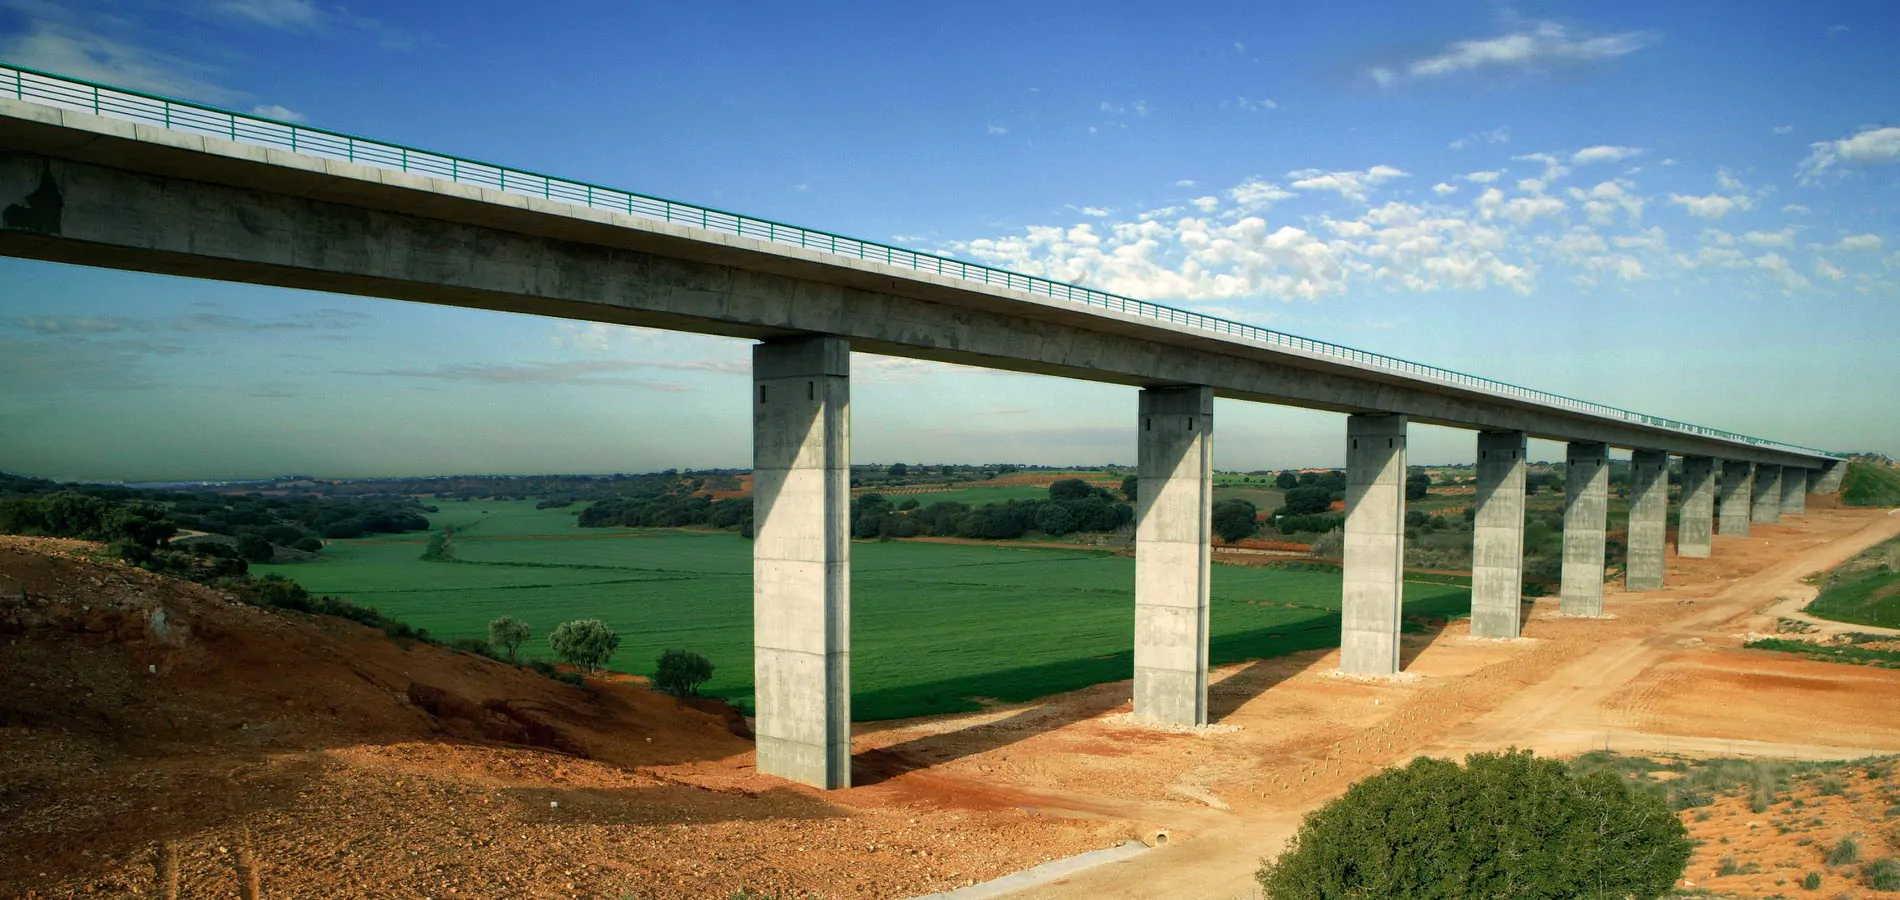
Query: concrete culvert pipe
1159 838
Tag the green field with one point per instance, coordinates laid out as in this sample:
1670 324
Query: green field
974 496
935 628
1870 485
1864 590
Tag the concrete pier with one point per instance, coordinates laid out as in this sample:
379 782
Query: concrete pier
1828 479
1649 520
1173 533
1586 515
1375 544
801 569
1794 491
1497 539
1733 497
1767 499
1696 525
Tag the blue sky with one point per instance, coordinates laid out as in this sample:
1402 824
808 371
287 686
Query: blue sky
1688 209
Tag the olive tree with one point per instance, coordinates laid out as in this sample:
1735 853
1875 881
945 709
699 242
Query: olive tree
507 634
586 643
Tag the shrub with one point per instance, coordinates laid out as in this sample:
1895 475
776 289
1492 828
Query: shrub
1235 520
507 634
1501 825
1883 875
1306 501
681 673
586 643
1847 851
1811 881
476 646
1331 545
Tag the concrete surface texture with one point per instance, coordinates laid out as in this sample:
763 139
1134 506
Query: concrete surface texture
1734 494
1696 522
149 199
1794 491
1828 479
1173 534
1497 540
1767 500
1586 515
1375 544
1649 520
801 559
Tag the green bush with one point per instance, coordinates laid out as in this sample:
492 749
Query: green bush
1845 852
507 634
1811 881
585 643
1501 825
681 673
1883 875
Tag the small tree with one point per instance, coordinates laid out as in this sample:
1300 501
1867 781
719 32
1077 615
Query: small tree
1287 480
681 673
587 643
507 634
1417 485
1502 825
1129 485
1235 520
898 470
1070 489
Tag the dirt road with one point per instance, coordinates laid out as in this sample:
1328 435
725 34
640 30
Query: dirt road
1664 672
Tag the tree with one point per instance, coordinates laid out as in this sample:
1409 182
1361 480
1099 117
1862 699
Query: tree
898 470
681 673
1287 480
1054 519
507 634
1129 485
587 643
1070 489
1305 501
255 549
1417 484
1235 520
1502 825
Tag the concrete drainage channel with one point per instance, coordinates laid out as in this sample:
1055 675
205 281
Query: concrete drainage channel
1050 871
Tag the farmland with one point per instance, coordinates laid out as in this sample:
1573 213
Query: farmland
935 627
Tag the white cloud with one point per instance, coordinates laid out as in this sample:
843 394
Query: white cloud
1531 185
1186 183
1384 76
70 44
1859 243
1870 147
1828 270
1601 203
282 14
1498 135
280 113
1444 190
1603 153
1547 45
1481 177
1523 210
1209 204
995 129
1711 206
1784 129
1252 195
1796 209
1783 274
1260 105
1553 167
1352 185
1726 180
1093 212
1782 238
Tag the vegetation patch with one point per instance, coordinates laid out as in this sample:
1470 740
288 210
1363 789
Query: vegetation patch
1870 484
1864 590
1842 653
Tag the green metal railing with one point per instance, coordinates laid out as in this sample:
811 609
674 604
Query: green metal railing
175 115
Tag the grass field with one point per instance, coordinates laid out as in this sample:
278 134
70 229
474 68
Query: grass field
974 496
935 628
1864 590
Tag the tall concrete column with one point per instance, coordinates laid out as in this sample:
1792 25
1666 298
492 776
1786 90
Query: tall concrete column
1767 505
1794 491
1649 520
1174 502
1696 525
1734 497
801 568
1828 479
1375 544
1497 538
1586 516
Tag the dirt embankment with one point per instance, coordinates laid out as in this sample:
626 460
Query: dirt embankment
160 739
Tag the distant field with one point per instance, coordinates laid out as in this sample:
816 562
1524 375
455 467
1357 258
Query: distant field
974 496
935 627
1864 590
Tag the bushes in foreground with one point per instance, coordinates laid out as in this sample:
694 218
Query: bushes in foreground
1501 825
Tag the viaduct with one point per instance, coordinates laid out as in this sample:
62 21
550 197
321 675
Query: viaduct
99 176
